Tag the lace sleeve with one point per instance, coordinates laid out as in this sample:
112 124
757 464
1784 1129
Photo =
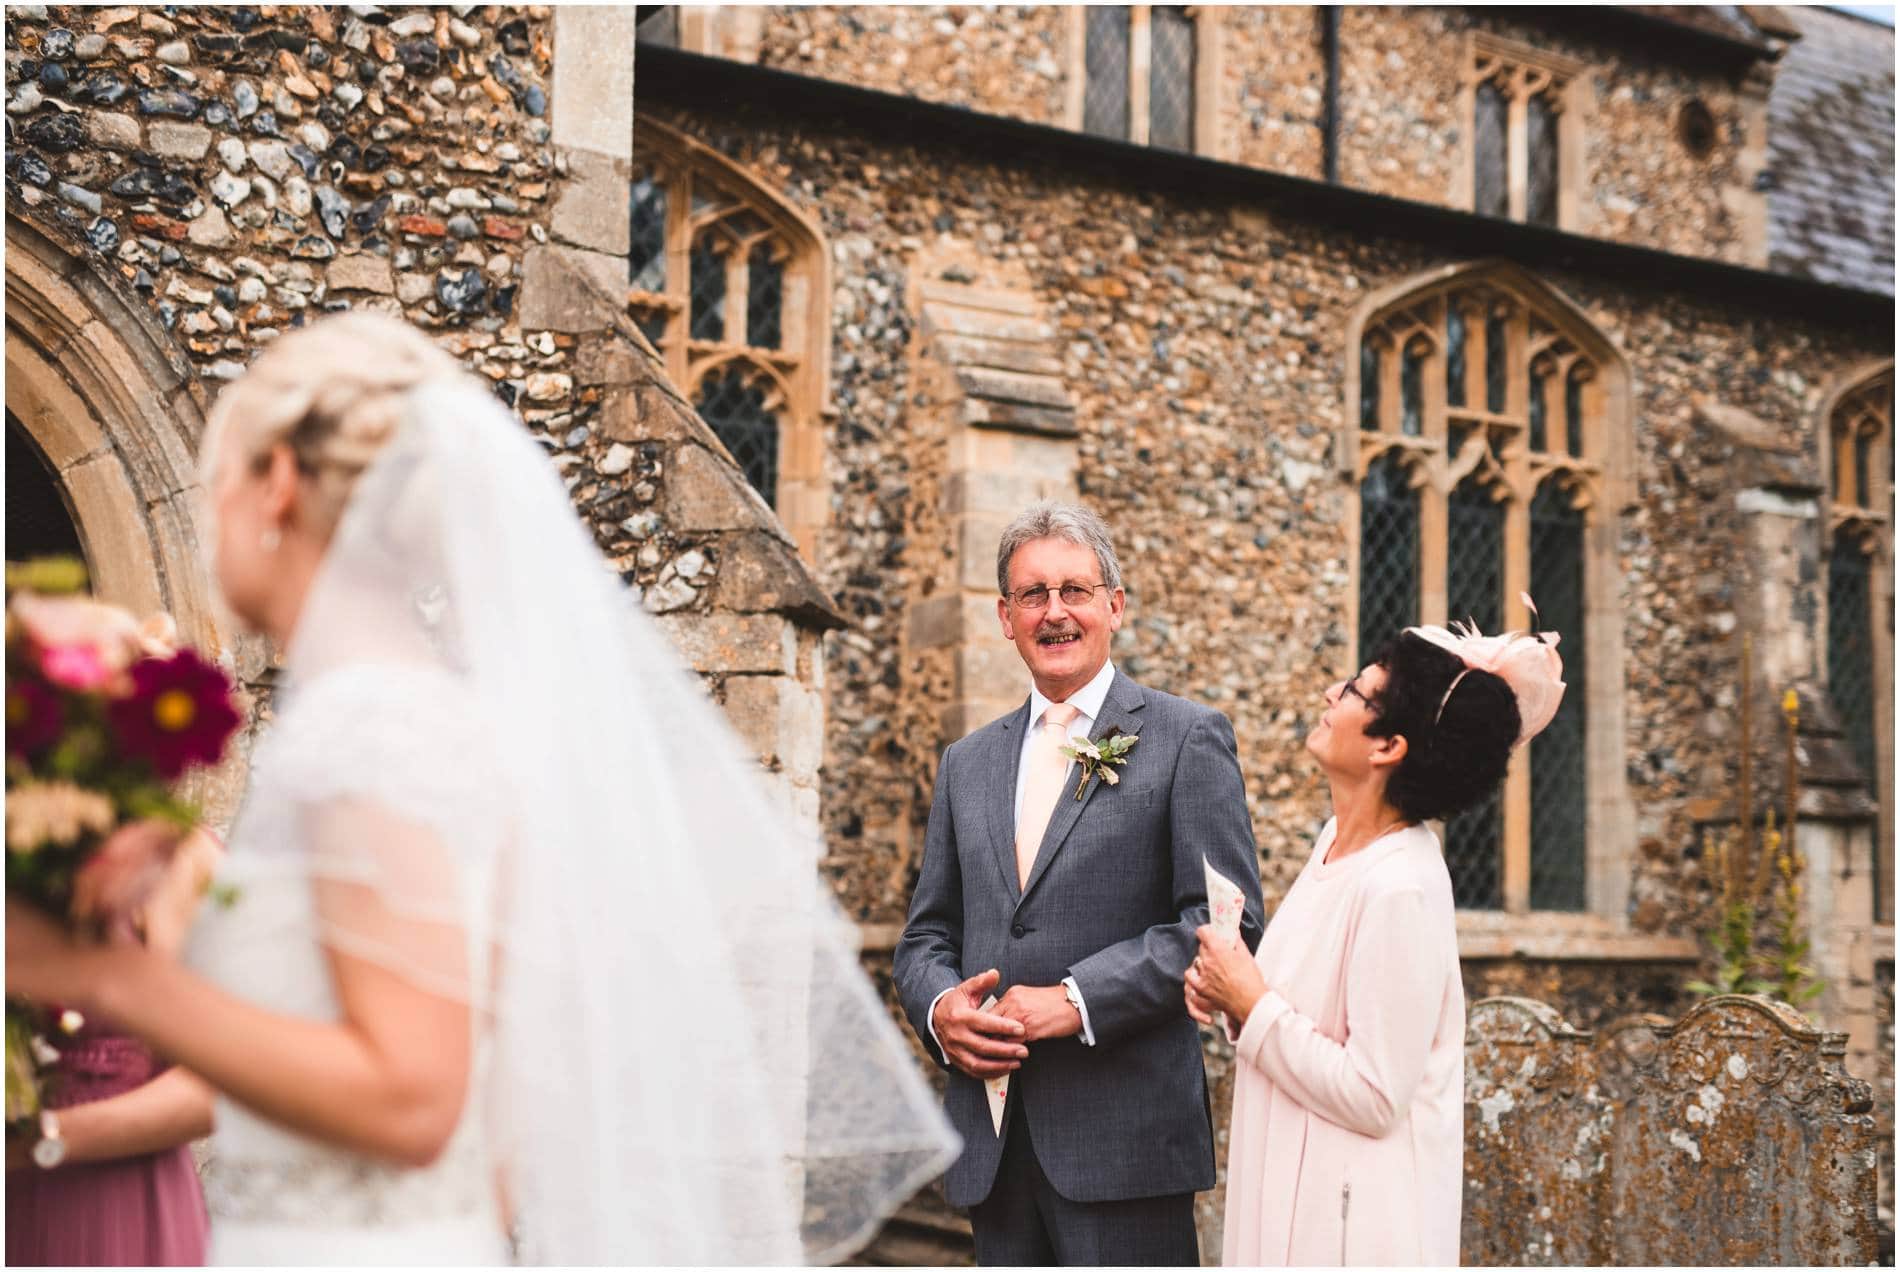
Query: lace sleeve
398 816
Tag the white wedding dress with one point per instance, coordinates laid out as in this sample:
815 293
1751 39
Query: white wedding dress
490 777
376 733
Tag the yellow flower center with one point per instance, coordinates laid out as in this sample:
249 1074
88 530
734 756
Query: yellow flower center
174 710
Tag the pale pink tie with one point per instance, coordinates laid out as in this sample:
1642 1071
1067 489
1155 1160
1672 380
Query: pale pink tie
1042 784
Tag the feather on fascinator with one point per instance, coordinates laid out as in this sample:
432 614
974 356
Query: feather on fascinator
1526 661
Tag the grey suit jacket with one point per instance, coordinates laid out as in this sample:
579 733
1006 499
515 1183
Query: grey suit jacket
1113 900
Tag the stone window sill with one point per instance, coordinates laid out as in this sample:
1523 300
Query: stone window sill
1582 937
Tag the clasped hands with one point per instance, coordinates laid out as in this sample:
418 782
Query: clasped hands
989 1044
1222 978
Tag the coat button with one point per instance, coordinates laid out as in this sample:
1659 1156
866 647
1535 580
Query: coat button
1018 931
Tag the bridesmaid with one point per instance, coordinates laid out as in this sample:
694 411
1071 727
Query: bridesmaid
117 1185
1347 1143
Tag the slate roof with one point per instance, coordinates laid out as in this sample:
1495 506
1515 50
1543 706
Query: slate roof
1830 170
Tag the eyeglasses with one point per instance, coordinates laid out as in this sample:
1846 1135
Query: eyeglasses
1031 599
1352 687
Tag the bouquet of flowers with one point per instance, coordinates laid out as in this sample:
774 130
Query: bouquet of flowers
104 716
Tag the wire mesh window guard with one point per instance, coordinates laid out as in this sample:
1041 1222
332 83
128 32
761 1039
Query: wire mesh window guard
1388 553
765 290
1540 206
647 213
1171 78
706 302
1492 194
1474 589
734 404
1105 74
1559 791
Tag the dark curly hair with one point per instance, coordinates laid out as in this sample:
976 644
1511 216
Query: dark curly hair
1455 763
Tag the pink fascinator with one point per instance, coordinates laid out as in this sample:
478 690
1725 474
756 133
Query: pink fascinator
1527 661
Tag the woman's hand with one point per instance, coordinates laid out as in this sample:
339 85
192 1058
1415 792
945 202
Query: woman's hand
46 963
1222 977
126 871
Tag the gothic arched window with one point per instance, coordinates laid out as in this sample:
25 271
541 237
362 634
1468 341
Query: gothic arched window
1136 72
729 282
1859 555
1524 110
1487 416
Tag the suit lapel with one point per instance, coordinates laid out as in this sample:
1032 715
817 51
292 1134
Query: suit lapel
1118 712
1005 761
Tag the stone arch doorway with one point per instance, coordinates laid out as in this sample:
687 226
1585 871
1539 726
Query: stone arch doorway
109 416
112 415
38 521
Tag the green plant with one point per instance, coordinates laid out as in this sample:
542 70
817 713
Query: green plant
1757 872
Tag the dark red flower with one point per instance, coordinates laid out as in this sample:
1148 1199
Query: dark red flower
179 713
34 717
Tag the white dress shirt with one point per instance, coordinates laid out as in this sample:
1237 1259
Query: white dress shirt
1088 702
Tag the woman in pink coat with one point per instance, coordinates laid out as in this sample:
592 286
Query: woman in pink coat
1347 1141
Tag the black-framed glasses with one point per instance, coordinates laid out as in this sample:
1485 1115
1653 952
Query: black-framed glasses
1037 597
1352 687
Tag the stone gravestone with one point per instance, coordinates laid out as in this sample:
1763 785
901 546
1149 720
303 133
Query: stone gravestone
1537 1131
1737 1138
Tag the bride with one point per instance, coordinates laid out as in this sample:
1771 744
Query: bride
525 961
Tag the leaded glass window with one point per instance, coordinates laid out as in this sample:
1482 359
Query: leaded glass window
662 26
1539 418
707 299
1541 194
647 211
1497 354
1521 124
1859 596
731 285
1492 165
1388 553
1369 386
735 405
1105 77
1412 388
765 285
1559 813
1455 356
1850 655
1474 590
1573 409
1475 486
1171 78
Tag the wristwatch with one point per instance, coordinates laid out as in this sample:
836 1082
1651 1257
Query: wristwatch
49 1150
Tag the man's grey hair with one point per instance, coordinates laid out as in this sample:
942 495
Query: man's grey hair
1048 519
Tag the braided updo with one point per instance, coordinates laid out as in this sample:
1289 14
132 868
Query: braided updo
334 391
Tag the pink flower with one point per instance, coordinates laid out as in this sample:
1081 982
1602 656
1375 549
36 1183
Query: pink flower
77 667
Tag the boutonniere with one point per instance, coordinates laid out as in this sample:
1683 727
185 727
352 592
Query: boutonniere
1101 757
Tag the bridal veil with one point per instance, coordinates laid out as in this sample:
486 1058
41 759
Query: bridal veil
688 1064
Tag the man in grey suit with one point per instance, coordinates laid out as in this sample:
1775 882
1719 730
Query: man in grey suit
1079 916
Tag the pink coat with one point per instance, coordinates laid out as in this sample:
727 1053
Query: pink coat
1347 1144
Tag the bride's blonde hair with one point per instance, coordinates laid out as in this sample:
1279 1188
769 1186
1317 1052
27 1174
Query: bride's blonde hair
335 392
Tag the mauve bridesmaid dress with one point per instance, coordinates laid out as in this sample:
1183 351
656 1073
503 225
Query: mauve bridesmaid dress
146 1210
